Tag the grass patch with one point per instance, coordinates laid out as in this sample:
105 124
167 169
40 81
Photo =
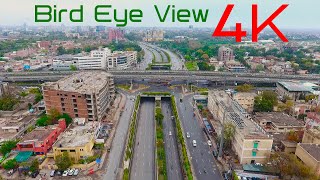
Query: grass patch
125 87
191 65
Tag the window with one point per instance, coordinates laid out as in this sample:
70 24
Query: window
77 115
73 95
63 150
254 153
75 105
74 100
72 150
75 110
62 104
63 109
255 145
81 149
61 99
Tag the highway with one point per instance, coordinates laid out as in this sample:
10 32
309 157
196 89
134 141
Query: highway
177 63
205 167
170 141
146 59
143 157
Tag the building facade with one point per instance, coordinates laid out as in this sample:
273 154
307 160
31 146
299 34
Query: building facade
225 54
84 95
251 143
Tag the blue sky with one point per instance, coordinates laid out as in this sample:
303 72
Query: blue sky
302 14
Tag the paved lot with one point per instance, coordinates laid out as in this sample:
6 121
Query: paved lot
143 158
204 164
171 148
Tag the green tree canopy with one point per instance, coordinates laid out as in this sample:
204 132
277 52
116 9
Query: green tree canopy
63 161
7 146
10 164
244 88
265 102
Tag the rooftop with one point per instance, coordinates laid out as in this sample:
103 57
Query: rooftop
238 115
39 134
77 135
312 149
278 119
83 82
298 87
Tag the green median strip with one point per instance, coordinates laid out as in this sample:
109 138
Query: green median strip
161 153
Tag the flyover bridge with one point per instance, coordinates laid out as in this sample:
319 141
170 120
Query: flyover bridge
164 75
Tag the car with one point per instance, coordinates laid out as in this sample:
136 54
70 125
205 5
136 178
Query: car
244 178
59 173
209 143
170 133
65 173
215 153
52 173
181 100
76 172
34 174
194 143
188 135
70 173
225 176
172 117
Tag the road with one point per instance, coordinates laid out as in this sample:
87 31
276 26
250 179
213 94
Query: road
177 63
146 59
143 158
171 147
118 143
202 157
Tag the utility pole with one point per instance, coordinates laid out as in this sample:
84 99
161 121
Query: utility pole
222 129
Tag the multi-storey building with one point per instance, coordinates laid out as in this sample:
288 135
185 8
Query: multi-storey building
251 143
153 35
122 60
225 54
84 95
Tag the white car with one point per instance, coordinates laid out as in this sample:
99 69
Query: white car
76 172
170 133
194 143
209 143
188 135
71 172
52 173
65 173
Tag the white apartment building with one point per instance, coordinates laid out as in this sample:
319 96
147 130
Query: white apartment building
122 60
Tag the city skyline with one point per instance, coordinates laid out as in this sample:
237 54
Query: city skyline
291 18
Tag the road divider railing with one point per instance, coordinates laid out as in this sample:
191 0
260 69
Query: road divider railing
184 158
131 136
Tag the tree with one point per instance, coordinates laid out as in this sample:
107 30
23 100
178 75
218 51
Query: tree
259 68
73 68
229 130
61 50
8 102
289 166
34 165
7 146
205 56
265 102
63 161
10 164
244 88
53 115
